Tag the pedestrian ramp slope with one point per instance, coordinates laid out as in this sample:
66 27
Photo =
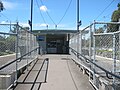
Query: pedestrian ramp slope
53 72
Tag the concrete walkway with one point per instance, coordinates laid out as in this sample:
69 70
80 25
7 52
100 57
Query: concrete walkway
61 74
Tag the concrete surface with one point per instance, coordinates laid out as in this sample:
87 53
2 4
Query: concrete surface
62 74
7 58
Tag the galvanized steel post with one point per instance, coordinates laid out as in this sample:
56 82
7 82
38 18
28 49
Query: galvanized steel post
114 60
17 40
90 48
80 42
94 53
27 47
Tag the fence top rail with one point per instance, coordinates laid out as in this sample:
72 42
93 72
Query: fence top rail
116 32
100 34
81 30
8 24
110 33
8 33
87 27
118 23
26 30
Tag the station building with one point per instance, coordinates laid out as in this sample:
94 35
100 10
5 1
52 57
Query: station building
54 41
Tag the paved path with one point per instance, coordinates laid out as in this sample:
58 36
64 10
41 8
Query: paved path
12 67
62 74
7 58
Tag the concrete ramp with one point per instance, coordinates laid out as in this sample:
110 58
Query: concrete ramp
59 72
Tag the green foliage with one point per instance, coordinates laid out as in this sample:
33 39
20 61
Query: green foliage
1 6
6 53
112 28
116 14
118 6
2 46
10 38
100 30
7 45
3 53
103 51
115 18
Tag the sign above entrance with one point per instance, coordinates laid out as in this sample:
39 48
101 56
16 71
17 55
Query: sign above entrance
41 38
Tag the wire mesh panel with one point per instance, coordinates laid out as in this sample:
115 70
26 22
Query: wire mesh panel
7 43
7 48
116 53
18 47
117 45
7 55
99 53
26 43
104 51
106 55
72 45
85 42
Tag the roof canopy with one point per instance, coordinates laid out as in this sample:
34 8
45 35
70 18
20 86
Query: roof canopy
54 31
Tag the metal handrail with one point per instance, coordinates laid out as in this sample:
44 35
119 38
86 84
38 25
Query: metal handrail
2 67
91 61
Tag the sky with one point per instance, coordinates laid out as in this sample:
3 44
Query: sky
45 10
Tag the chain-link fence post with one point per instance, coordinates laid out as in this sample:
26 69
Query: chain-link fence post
94 53
74 46
30 45
119 24
90 48
80 42
27 48
114 60
17 40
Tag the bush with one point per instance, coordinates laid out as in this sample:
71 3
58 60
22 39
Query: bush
3 53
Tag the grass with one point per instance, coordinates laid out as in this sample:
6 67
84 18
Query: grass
6 53
103 51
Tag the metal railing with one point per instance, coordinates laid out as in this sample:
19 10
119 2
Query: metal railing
97 48
18 48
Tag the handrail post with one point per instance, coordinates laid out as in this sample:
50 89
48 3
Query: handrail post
17 40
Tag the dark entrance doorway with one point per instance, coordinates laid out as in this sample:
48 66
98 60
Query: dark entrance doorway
56 43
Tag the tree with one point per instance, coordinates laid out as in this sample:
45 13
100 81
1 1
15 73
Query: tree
11 42
115 18
116 14
118 6
2 44
100 30
1 6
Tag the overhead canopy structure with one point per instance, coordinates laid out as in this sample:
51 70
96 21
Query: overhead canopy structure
54 31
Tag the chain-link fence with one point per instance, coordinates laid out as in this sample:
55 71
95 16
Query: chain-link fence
106 48
98 51
18 48
7 44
